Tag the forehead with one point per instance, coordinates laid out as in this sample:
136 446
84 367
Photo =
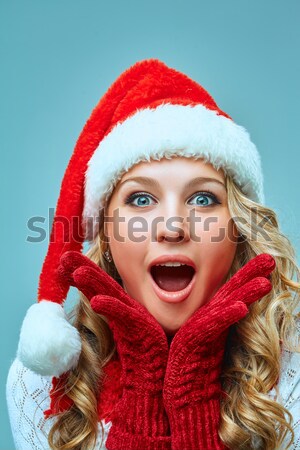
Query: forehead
180 167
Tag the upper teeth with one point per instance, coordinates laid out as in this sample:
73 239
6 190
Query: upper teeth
171 264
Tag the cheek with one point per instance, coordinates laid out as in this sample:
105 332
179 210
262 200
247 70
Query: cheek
218 231
217 250
127 247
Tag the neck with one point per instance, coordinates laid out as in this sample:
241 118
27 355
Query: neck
169 338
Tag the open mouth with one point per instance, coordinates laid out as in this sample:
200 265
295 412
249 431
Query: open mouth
172 277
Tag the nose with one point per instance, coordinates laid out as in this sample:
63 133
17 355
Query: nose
171 229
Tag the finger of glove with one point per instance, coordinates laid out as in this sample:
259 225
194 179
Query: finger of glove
226 318
252 291
117 311
92 282
234 313
86 279
260 266
248 293
203 332
133 324
71 260
64 278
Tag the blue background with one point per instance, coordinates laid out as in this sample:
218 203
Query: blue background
58 58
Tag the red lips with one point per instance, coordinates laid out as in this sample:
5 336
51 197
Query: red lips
174 283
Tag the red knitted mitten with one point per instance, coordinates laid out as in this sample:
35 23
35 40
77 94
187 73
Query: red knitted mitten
139 420
192 387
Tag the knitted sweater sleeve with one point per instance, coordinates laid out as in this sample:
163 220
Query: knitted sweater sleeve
27 398
289 390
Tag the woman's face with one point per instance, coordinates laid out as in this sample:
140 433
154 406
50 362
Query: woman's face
171 238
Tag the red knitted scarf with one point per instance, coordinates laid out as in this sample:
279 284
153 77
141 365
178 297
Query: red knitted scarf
110 392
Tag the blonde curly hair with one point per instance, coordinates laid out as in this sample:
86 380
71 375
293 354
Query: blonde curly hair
249 417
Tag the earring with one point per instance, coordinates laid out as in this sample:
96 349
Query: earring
107 256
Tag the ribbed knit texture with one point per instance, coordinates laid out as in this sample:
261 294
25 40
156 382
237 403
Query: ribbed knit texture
196 427
111 390
139 422
122 441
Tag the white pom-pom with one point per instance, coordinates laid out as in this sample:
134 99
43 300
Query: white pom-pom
49 344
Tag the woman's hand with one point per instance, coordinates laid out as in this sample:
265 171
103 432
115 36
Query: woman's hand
76 270
192 385
139 419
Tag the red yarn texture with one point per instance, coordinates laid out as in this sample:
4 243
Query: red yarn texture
168 398
110 394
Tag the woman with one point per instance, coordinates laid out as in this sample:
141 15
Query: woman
185 336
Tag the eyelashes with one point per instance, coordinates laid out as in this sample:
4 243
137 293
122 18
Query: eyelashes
137 195
209 195
146 196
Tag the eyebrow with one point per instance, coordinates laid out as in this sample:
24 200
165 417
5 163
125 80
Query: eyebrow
151 182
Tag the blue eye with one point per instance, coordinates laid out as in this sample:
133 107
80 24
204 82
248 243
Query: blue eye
142 198
202 199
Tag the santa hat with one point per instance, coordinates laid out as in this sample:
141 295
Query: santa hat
151 111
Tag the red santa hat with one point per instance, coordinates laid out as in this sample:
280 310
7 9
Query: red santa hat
151 111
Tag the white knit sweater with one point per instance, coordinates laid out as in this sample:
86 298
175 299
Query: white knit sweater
28 396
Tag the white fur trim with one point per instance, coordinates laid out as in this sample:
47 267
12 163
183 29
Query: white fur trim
49 344
167 131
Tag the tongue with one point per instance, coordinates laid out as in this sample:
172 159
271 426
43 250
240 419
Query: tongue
172 278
